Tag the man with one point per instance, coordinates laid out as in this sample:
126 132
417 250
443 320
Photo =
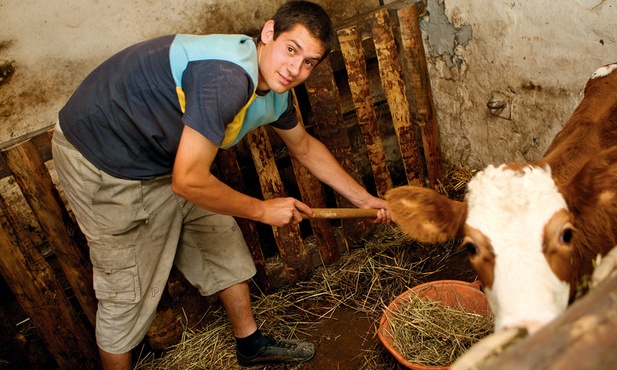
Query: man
133 150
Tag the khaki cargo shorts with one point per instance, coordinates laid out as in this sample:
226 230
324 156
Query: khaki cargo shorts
136 230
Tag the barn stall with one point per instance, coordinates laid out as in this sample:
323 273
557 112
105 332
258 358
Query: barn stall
374 87
380 64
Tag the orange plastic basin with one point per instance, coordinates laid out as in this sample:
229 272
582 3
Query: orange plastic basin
452 293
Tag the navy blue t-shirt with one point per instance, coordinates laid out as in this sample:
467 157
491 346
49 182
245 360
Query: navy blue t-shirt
128 114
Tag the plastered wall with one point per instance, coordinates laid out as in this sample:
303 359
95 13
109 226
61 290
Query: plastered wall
48 47
530 57
534 56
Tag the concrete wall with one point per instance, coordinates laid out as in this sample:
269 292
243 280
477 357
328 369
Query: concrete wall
52 45
534 55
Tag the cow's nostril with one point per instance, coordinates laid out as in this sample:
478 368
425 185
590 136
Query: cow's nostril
471 248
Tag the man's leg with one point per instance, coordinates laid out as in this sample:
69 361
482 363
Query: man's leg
213 256
112 361
237 302
253 348
133 228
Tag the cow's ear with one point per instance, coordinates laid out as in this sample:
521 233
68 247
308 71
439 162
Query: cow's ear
426 215
592 199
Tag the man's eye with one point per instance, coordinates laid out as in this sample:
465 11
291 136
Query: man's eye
290 50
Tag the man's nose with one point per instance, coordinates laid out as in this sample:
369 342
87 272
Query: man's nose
294 66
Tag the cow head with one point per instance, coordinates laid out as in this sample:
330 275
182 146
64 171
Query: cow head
515 224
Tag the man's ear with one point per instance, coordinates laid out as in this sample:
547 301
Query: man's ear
267 32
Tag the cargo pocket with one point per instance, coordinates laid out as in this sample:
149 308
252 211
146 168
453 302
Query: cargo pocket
115 274
117 207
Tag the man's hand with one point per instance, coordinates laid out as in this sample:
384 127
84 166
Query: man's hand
383 215
284 211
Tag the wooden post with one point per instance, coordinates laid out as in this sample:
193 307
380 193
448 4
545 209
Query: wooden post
311 191
326 109
229 170
288 239
35 182
583 337
36 288
14 344
413 50
394 87
351 47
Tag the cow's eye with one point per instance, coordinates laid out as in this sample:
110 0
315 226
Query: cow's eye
566 236
471 248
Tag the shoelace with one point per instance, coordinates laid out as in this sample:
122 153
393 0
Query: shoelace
275 343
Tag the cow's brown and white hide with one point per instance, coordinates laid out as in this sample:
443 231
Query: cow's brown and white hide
534 229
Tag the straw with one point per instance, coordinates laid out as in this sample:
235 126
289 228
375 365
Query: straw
366 280
429 333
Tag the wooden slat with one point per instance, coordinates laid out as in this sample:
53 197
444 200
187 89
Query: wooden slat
394 86
230 173
311 191
325 100
35 183
351 47
37 290
583 337
42 141
415 59
288 239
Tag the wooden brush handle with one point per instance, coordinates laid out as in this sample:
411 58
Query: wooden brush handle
343 213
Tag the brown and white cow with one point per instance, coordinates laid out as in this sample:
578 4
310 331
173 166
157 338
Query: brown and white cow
533 230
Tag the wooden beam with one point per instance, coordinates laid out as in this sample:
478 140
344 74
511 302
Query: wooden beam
42 142
37 290
311 191
351 47
230 173
426 118
288 239
35 183
583 337
325 100
394 86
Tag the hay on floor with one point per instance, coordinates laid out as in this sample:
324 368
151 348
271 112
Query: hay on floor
366 280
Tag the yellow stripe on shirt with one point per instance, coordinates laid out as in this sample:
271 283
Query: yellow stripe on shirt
233 129
181 99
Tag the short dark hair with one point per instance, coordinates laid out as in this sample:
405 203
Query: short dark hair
310 15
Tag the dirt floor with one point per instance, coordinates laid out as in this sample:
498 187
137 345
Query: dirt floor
340 340
343 337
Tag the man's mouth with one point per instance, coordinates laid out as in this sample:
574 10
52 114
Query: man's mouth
284 80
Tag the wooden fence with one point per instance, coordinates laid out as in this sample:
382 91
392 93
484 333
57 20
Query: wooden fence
375 82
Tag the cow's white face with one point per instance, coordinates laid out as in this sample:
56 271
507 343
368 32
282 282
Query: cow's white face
518 233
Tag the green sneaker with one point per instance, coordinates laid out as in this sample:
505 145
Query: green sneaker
287 351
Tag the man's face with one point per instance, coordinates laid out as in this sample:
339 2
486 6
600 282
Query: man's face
287 61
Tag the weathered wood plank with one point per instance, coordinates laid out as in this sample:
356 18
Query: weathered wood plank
351 47
16 353
584 337
324 98
311 191
230 173
394 86
42 141
37 290
415 58
39 191
288 239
